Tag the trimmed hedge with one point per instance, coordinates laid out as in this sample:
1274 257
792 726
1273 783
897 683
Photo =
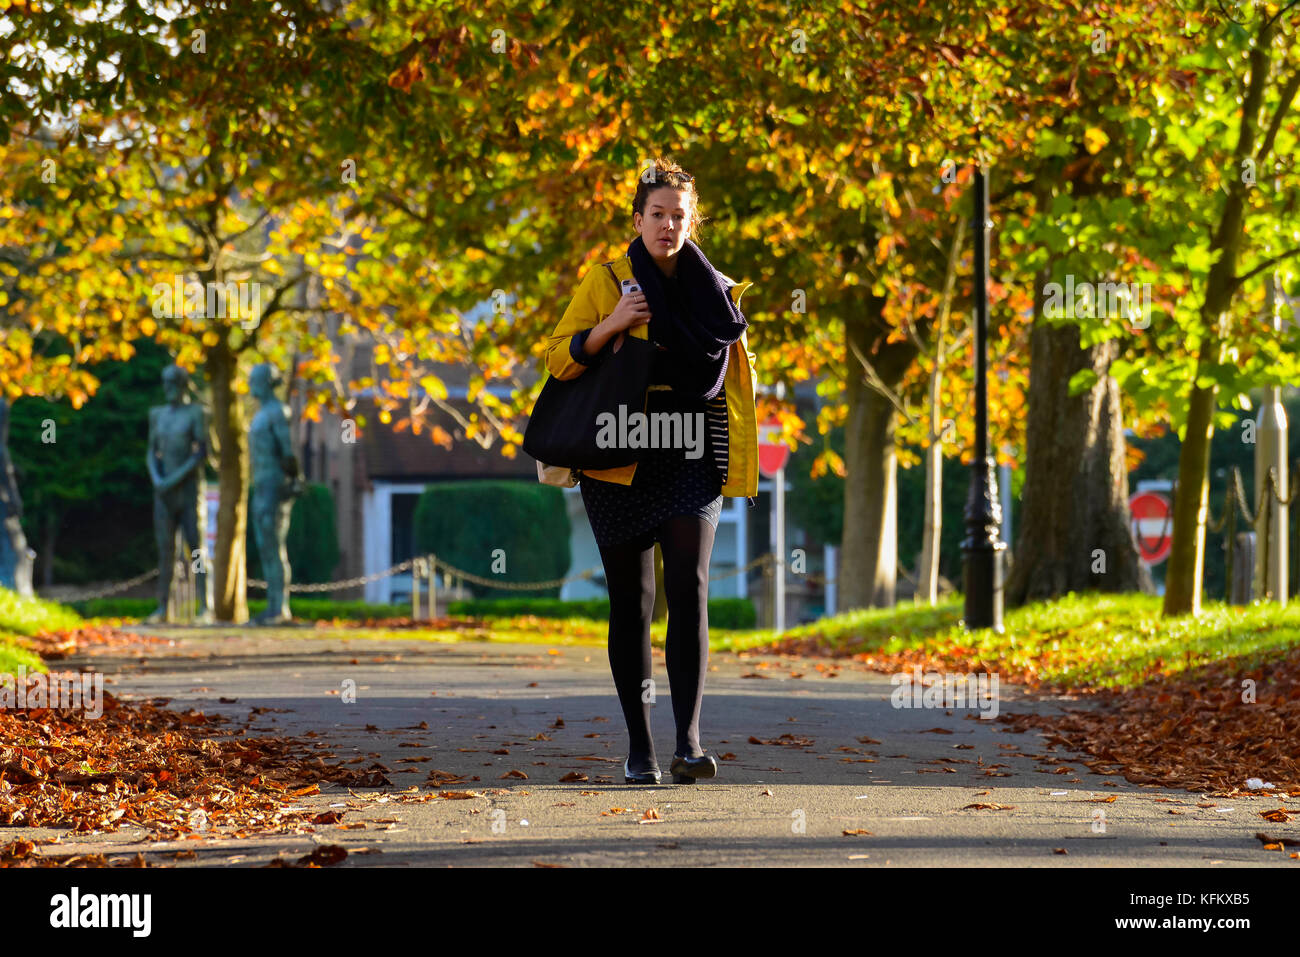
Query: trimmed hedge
313 542
723 612
308 609
465 523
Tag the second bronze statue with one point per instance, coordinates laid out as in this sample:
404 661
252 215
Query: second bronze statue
277 481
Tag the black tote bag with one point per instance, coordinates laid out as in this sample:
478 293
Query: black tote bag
562 429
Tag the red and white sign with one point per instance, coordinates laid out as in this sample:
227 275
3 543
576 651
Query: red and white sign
1153 526
772 452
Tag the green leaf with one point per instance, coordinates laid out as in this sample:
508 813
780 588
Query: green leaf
1082 381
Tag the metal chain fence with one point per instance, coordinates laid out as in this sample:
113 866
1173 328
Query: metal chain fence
113 589
420 566
342 583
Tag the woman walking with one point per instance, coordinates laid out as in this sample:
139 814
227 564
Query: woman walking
702 369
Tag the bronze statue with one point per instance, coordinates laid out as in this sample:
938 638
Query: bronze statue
15 556
276 483
176 455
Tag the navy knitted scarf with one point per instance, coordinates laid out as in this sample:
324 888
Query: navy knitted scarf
698 327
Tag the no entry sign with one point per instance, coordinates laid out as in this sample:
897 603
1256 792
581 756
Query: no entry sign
1153 526
772 452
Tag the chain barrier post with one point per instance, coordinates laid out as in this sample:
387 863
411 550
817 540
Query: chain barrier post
417 569
433 586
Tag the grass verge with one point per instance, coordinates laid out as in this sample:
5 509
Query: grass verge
23 617
1079 641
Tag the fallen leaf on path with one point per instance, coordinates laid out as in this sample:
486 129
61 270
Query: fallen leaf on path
445 777
323 856
1277 843
786 741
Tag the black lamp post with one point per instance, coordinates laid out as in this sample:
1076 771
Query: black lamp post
983 546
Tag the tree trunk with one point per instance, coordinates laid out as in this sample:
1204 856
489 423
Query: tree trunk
229 589
1186 572
1186 569
927 578
869 546
1075 531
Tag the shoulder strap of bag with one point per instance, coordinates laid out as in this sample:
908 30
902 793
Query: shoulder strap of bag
613 276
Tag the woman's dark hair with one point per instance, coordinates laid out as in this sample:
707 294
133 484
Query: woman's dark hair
667 173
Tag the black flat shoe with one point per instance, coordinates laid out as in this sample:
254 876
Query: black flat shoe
688 770
649 775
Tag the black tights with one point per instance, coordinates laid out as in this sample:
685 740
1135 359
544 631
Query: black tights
686 542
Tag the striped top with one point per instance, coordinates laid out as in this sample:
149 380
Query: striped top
715 419
715 410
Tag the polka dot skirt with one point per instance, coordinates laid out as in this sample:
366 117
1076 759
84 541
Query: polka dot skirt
665 483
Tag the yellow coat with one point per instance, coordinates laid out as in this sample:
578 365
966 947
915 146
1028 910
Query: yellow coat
595 299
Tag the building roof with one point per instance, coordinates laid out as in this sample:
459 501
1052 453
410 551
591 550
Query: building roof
403 455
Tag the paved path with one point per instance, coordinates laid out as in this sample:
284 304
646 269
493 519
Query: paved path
495 708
